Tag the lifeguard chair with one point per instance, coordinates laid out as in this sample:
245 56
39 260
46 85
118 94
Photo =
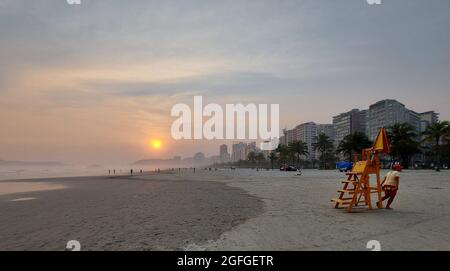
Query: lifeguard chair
357 189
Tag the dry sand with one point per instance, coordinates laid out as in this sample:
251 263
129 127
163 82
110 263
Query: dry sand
225 210
299 215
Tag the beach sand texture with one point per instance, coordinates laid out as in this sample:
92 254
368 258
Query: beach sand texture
223 210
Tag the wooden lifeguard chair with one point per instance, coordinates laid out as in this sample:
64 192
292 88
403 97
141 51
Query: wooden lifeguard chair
357 189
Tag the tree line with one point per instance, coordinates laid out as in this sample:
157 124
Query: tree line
433 144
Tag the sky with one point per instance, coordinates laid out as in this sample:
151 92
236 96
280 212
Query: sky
95 83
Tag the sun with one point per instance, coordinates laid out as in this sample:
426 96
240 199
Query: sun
156 144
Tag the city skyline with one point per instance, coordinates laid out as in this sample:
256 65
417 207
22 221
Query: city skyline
307 131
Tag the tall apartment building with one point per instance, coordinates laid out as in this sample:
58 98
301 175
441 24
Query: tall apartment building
389 112
251 147
224 155
348 123
427 119
327 129
238 152
363 115
380 114
241 150
307 132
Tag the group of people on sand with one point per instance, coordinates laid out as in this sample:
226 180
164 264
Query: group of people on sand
131 171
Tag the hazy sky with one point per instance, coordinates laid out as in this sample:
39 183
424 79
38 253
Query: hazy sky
95 82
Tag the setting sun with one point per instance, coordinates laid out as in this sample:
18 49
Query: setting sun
156 144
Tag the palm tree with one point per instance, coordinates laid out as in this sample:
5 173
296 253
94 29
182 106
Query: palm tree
298 148
434 133
260 158
403 142
273 157
325 146
354 143
284 153
252 158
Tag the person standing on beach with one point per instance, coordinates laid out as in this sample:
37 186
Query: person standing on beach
131 171
390 186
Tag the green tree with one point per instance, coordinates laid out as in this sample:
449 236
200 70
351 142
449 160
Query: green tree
297 149
324 145
404 145
435 133
273 157
283 152
353 143
252 158
261 159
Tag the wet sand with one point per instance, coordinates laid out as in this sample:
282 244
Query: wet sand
120 214
8 188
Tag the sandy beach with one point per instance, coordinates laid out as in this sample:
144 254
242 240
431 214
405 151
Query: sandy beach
221 210
121 213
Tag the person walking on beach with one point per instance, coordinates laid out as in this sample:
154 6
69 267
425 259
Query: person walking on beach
390 186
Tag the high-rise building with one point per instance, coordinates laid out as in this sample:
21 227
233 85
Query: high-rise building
327 129
290 136
238 152
381 114
251 147
363 115
427 119
224 155
348 123
307 133
386 113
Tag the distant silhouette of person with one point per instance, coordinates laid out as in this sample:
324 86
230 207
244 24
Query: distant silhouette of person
141 171
114 171
109 172
131 171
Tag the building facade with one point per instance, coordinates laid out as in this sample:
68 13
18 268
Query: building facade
223 154
386 113
238 152
348 123
307 132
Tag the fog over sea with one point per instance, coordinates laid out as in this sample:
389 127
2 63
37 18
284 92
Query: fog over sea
37 172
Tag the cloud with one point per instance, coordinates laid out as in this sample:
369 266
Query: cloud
216 84
103 63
